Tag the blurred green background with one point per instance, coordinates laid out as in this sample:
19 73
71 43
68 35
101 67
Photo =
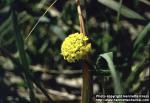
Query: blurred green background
118 26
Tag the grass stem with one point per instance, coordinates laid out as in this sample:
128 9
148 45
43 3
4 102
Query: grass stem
40 19
118 15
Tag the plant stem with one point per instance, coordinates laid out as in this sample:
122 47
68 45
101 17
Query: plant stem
87 88
40 18
22 54
87 85
118 15
81 20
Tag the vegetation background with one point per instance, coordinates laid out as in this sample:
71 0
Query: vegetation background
121 27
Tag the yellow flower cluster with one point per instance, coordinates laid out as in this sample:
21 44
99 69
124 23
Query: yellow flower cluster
75 47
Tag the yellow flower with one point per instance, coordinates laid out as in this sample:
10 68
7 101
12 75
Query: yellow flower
75 47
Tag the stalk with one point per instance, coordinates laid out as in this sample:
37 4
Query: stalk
87 88
118 15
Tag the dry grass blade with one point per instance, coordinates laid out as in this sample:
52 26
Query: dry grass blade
40 19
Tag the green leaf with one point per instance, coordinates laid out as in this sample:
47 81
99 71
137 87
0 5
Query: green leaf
24 60
137 44
115 76
134 75
124 10
22 54
142 35
5 27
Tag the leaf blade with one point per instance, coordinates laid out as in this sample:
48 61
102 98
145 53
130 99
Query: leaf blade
117 83
124 10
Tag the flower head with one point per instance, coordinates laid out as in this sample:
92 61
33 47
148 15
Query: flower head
75 47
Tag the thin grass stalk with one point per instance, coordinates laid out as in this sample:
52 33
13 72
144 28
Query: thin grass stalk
118 14
15 61
87 78
22 54
40 19
38 84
